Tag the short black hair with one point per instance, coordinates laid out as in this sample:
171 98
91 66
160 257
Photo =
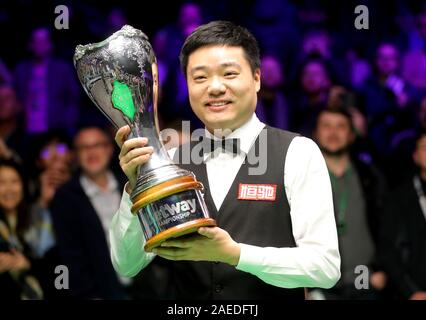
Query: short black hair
315 58
39 142
53 135
103 129
223 33
340 111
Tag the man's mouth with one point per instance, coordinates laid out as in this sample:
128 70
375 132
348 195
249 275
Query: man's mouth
217 103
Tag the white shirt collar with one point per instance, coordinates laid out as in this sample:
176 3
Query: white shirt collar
92 189
247 133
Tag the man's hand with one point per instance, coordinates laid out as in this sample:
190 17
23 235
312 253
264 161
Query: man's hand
212 244
420 295
6 262
378 280
13 261
133 154
50 180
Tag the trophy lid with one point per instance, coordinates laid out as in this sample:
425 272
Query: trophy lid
126 31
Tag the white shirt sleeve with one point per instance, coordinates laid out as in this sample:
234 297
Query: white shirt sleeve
315 261
127 241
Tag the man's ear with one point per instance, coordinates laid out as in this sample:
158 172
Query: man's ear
257 77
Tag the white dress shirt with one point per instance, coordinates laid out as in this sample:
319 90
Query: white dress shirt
314 262
105 202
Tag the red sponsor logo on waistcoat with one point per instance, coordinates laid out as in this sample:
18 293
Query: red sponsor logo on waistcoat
247 191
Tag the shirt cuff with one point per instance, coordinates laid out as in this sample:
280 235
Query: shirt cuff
251 258
126 205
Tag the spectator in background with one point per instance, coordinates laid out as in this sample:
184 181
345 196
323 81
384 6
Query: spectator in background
16 267
189 17
272 107
358 68
82 210
53 159
312 96
402 146
403 241
48 102
387 99
13 139
175 99
339 97
414 61
389 88
52 165
358 191
317 43
342 98
276 25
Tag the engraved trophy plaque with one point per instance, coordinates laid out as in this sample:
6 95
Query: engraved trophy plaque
120 76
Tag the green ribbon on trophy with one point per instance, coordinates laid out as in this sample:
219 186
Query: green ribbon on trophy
122 99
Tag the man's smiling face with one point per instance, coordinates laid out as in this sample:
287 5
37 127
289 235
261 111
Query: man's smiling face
222 86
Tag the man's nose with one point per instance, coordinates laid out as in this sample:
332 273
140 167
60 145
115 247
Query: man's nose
216 86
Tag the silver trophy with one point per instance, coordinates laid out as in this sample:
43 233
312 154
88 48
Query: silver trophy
120 76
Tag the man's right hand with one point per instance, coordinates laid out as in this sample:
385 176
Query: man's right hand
133 154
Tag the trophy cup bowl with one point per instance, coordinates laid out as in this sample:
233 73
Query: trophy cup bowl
120 76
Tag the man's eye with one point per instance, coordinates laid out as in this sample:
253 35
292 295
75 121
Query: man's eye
199 78
231 74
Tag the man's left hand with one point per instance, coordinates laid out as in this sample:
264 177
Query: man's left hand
211 244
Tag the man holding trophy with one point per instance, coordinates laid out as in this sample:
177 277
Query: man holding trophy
253 234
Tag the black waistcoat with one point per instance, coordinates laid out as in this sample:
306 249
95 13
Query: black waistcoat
253 222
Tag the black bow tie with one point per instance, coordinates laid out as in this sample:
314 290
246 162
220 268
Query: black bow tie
230 145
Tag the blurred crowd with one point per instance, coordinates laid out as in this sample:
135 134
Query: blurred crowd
360 94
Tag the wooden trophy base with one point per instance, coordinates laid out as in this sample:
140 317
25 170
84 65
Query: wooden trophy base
159 193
